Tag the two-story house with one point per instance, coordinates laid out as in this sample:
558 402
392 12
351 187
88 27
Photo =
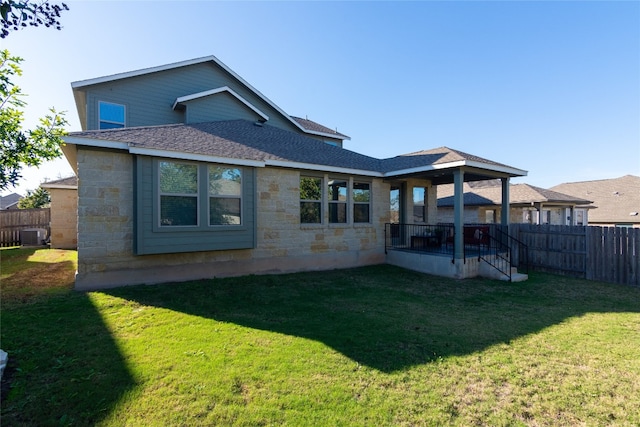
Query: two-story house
185 171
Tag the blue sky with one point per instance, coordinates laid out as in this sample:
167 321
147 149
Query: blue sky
549 87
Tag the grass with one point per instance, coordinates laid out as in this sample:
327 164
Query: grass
369 346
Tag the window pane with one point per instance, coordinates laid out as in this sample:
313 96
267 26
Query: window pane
361 212
225 181
111 112
310 188
176 210
338 190
107 125
178 178
224 211
361 192
338 212
310 212
419 194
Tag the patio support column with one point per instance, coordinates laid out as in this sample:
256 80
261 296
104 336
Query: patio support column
506 219
458 214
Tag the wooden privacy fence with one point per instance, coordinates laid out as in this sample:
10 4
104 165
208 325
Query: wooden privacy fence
14 220
609 254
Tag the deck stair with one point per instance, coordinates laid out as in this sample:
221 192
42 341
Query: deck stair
502 256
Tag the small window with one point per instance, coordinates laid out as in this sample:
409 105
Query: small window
419 203
310 200
337 194
361 202
225 195
111 115
178 194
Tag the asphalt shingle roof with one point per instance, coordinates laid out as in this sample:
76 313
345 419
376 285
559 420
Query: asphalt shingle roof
246 140
518 194
317 127
616 199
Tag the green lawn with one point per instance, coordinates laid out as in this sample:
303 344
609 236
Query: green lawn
370 346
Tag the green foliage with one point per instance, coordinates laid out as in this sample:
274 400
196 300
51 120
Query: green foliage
38 198
22 147
15 15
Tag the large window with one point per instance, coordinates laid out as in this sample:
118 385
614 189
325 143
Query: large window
337 195
225 195
310 200
361 202
111 116
180 188
178 194
340 200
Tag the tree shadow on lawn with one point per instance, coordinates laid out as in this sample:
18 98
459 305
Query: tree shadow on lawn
386 317
64 367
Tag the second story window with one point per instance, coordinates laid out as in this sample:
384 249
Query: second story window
111 116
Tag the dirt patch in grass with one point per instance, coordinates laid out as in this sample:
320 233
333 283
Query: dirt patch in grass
29 273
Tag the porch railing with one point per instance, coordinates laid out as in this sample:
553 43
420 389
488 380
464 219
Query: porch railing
420 237
490 242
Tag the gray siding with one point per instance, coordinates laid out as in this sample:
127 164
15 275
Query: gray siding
221 106
150 240
149 98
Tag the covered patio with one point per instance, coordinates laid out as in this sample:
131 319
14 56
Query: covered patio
415 240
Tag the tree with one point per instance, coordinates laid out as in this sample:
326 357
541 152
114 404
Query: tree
20 14
38 198
20 147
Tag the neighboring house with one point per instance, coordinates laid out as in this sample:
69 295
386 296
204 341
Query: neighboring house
185 171
10 201
529 204
617 200
64 212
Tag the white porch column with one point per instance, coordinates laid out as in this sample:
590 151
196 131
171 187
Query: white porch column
506 219
458 214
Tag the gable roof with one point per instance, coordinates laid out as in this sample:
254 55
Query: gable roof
617 199
243 142
9 201
69 182
442 158
311 128
519 194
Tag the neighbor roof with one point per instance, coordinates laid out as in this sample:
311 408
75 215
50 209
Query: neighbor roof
70 182
9 200
617 199
519 194
247 143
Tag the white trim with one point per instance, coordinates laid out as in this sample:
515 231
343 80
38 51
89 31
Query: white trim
205 93
177 155
59 186
456 164
95 142
321 168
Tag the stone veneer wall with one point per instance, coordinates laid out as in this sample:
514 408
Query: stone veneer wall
106 229
64 218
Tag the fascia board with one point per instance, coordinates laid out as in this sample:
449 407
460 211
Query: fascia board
460 163
59 186
92 142
119 76
227 89
195 157
322 168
